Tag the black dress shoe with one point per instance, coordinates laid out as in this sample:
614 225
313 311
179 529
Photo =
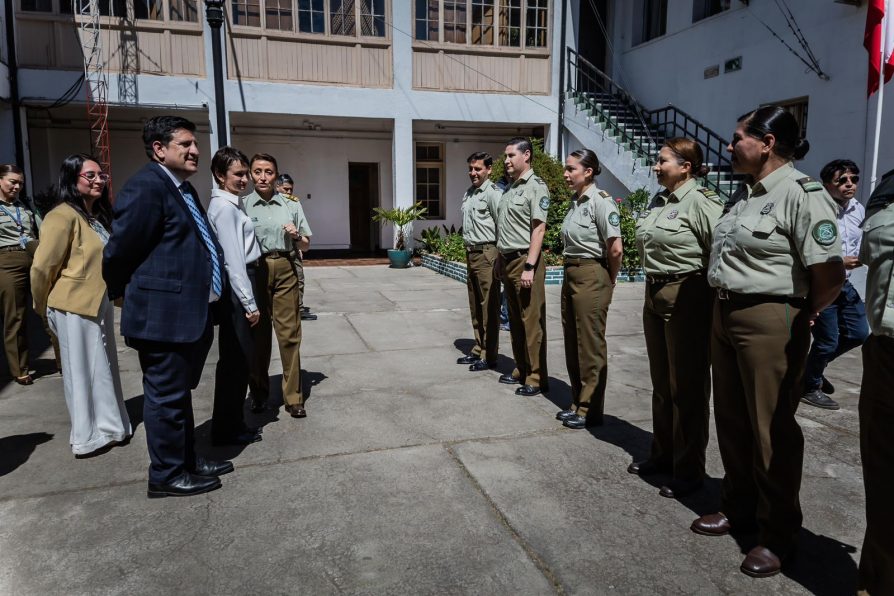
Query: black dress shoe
258 404
827 387
207 467
577 422
819 399
305 309
677 489
565 414
508 379
246 437
469 359
482 365
647 467
527 390
296 411
184 485
308 316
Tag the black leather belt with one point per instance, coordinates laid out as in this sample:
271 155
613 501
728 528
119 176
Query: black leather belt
583 260
479 247
750 299
663 279
514 254
13 248
275 254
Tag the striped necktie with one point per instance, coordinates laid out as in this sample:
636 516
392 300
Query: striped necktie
216 285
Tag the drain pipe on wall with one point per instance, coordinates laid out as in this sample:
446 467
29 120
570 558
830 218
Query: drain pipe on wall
13 67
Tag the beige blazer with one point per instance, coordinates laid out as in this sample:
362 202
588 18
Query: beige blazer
67 269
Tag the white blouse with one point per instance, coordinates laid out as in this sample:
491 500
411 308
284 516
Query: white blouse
236 234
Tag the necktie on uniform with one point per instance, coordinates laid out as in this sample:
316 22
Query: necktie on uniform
216 285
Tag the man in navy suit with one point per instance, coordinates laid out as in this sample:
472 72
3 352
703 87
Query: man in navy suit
165 261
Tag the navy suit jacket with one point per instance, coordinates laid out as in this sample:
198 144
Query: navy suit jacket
157 260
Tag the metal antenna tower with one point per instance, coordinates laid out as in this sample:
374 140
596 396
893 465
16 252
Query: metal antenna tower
96 81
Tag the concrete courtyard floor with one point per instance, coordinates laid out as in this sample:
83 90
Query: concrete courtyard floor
411 475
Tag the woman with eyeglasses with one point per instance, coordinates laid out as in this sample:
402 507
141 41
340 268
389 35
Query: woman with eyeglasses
775 264
69 292
18 232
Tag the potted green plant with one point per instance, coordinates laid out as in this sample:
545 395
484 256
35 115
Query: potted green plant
400 218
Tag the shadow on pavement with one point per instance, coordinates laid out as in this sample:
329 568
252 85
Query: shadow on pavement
16 449
134 407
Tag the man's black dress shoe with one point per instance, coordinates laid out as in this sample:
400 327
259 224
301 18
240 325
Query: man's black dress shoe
258 404
577 422
469 359
676 489
308 316
646 467
207 467
527 390
184 485
305 309
827 387
565 414
508 379
246 437
296 411
482 365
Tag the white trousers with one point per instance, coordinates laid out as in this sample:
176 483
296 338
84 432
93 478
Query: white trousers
90 377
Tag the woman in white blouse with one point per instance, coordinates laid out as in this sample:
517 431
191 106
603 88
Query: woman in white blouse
238 310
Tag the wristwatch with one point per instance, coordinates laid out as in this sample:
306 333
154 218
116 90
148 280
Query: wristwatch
529 267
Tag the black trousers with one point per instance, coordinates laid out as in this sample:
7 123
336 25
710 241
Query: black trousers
170 372
234 342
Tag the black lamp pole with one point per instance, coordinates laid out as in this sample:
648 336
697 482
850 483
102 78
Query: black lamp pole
215 16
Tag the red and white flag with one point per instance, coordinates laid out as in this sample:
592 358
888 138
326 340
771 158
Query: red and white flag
880 11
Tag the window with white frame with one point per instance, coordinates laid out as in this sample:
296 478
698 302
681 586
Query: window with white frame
323 17
702 9
495 23
430 178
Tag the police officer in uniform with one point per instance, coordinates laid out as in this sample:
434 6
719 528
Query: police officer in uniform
285 186
593 250
479 209
776 263
18 231
673 237
282 230
521 225
876 574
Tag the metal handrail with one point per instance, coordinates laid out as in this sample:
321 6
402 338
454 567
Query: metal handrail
587 82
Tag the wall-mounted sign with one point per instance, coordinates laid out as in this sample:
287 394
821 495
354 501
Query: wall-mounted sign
733 64
712 71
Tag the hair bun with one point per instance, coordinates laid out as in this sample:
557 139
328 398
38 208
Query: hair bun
702 171
597 171
801 148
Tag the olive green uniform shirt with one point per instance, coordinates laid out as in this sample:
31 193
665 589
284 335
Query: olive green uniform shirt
11 216
479 209
591 220
522 203
773 231
270 217
674 234
876 251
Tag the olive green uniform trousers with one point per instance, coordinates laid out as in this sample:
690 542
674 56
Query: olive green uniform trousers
15 271
484 301
298 265
276 294
527 320
877 453
677 326
586 294
759 352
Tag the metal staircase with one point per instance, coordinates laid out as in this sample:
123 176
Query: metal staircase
639 131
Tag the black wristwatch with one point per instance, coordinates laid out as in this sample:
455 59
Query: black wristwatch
529 267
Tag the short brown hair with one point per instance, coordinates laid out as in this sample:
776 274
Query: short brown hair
688 150
263 157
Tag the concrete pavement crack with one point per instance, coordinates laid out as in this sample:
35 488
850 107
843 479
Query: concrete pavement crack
529 550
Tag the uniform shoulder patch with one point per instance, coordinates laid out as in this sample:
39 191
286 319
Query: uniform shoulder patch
544 202
604 194
614 219
825 232
809 184
708 192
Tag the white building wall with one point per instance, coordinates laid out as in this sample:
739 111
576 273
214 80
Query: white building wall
670 70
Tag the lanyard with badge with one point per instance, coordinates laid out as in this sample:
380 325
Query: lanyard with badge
17 218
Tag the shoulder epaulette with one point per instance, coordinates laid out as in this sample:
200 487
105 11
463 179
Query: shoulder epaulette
707 192
809 184
604 194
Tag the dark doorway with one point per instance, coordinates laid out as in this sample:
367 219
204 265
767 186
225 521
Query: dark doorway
363 195
591 41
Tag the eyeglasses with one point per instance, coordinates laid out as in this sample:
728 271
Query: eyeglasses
845 179
94 176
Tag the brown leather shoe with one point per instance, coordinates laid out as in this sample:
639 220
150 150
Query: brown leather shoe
712 524
761 562
296 411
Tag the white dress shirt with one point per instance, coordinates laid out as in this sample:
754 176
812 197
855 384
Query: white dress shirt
236 234
850 218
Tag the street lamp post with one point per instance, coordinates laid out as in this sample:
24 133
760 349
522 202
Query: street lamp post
215 16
